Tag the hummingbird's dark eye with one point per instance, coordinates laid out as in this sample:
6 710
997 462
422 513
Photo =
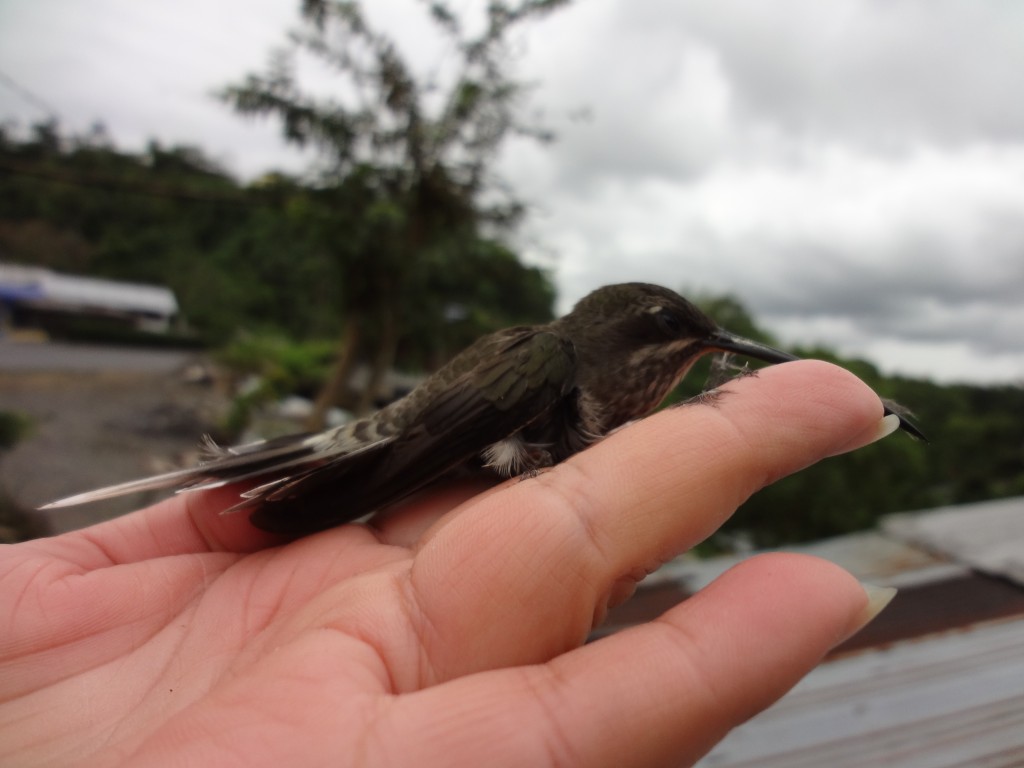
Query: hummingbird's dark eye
668 322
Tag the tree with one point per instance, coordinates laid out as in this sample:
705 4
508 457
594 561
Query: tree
406 157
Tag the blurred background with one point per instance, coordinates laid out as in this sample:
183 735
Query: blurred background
262 216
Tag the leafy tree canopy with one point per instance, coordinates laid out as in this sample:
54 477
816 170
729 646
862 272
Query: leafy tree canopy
239 257
405 156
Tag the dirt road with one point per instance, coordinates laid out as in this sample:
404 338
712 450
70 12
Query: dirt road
111 416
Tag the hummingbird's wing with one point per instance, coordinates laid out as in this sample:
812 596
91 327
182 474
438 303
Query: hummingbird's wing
526 376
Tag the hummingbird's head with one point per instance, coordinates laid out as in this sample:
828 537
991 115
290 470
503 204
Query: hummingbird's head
637 320
633 315
636 341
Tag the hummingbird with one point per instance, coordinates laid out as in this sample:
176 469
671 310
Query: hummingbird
512 403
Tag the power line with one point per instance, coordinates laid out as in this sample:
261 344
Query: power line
129 186
30 96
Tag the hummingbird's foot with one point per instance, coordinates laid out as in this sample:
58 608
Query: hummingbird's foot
538 461
707 397
724 369
533 472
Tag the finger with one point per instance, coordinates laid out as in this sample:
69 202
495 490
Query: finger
660 694
186 523
521 577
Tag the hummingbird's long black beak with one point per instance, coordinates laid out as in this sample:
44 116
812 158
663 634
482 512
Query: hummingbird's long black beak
729 342
722 340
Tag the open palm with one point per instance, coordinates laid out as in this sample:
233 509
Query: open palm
446 632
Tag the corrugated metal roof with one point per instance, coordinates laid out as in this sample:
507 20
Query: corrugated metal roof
988 536
908 549
871 556
937 681
947 700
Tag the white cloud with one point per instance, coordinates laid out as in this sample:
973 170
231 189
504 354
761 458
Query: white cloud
912 248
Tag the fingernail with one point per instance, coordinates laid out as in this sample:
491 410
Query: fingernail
886 426
878 599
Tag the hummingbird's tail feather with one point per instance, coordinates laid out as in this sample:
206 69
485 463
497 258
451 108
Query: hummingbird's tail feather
157 482
221 466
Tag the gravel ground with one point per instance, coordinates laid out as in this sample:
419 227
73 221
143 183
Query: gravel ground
90 428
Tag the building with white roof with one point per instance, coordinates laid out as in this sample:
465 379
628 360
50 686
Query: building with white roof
29 295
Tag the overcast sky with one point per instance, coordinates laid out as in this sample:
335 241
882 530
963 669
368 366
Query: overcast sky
852 170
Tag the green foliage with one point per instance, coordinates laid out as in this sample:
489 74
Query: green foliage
276 366
471 289
16 524
13 427
284 365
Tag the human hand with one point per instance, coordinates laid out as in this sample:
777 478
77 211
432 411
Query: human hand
447 631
